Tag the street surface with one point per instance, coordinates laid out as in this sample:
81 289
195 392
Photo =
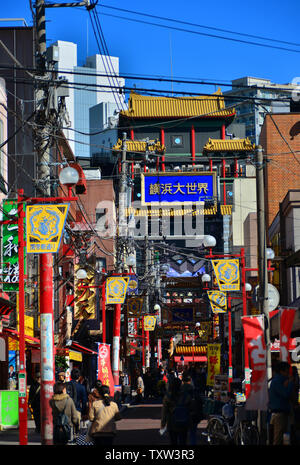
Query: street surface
139 427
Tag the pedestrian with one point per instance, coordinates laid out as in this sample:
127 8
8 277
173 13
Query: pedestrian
61 377
103 415
78 393
176 413
196 407
64 413
280 393
140 387
147 383
34 401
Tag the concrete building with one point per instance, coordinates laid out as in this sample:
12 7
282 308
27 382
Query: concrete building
253 115
100 76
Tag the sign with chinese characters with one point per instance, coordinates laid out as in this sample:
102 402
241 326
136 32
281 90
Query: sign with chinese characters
9 408
149 322
177 188
116 288
134 306
205 331
213 362
10 259
104 373
255 344
218 301
133 285
85 296
227 273
286 320
44 227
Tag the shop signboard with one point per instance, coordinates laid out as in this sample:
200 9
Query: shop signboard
116 289
44 227
104 373
9 409
227 273
10 258
213 362
177 188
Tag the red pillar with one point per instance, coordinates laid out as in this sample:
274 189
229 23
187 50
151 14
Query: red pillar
224 183
193 150
116 343
23 429
246 356
103 312
131 134
223 132
162 141
47 346
236 168
210 164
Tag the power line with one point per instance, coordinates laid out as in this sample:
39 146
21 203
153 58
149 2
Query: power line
200 25
247 42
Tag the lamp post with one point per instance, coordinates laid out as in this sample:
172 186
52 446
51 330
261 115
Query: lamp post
46 326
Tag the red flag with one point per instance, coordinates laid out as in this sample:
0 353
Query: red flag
287 316
104 367
255 340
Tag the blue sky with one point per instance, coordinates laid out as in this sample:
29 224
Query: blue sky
149 50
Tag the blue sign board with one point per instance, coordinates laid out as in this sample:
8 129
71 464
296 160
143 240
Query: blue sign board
177 188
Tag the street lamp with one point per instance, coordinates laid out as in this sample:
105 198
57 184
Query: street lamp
209 241
68 177
270 254
81 273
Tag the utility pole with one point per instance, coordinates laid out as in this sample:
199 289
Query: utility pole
262 296
46 115
122 231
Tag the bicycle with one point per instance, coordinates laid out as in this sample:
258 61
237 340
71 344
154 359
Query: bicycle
233 426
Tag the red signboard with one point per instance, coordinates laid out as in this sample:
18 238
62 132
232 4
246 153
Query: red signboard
255 340
104 367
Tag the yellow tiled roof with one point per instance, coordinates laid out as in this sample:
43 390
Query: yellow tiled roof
228 145
141 106
140 146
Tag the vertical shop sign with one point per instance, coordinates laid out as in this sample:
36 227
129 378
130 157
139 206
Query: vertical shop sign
104 372
286 320
255 341
213 362
10 259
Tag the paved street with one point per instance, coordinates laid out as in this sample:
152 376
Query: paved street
139 427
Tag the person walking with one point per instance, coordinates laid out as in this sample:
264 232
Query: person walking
195 407
176 413
280 392
140 387
78 393
34 401
64 415
103 414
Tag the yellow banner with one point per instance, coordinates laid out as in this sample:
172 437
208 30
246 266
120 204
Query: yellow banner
213 362
205 330
218 301
44 227
84 296
116 288
134 306
149 322
228 274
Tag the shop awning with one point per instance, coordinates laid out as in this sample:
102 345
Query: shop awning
16 335
82 349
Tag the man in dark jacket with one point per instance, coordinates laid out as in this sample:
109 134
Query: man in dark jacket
280 392
78 393
34 397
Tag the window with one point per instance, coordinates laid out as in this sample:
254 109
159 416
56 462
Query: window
177 141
